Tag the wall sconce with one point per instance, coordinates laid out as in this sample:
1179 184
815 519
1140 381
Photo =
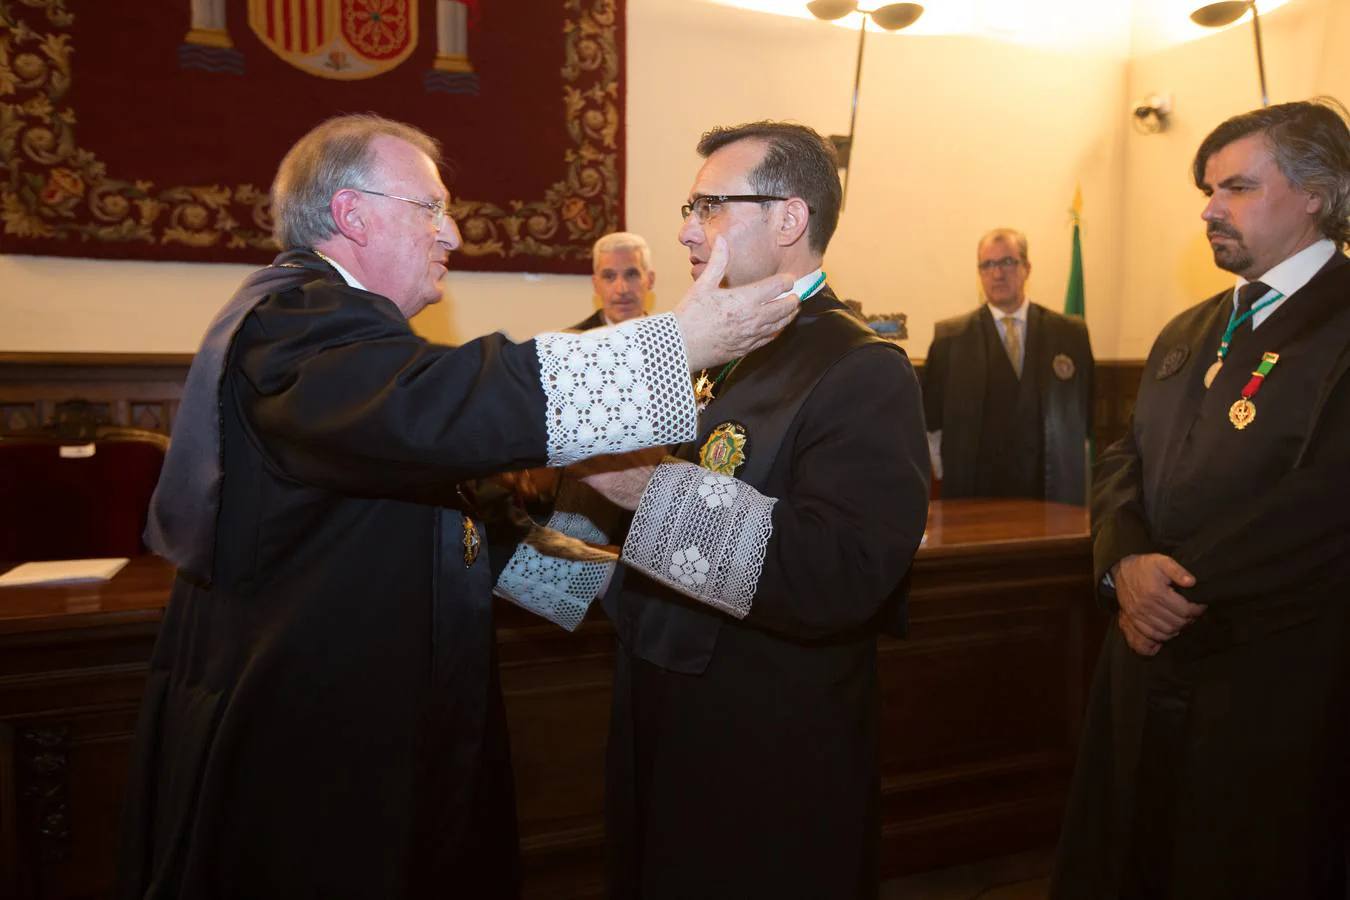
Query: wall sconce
1217 15
892 17
1154 114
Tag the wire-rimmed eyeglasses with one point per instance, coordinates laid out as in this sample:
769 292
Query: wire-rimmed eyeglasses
1005 262
705 206
435 207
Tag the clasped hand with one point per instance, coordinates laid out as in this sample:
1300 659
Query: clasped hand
1151 610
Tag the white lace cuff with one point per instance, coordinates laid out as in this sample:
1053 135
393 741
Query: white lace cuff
561 590
616 389
703 534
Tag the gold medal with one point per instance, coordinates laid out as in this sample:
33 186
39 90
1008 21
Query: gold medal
1213 372
1241 413
1062 366
471 542
725 449
703 390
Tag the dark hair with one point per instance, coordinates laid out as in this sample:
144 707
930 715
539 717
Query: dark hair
1310 143
799 163
334 155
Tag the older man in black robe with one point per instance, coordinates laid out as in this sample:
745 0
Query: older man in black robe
1215 762
322 717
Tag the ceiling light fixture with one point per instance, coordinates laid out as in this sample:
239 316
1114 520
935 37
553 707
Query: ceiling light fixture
892 17
1217 15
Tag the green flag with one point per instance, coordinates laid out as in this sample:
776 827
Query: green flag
1074 305
1074 297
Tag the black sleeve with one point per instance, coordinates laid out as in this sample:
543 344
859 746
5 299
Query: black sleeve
1089 375
344 396
1119 522
935 382
855 511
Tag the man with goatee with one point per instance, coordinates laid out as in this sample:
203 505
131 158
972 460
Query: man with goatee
1215 762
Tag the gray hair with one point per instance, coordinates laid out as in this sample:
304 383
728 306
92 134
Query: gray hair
334 155
1310 143
619 241
1011 235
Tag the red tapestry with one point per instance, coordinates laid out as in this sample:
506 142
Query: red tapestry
152 130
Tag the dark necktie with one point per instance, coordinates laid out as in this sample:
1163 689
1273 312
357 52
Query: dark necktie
1248 295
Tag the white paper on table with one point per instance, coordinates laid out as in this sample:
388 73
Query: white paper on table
63 571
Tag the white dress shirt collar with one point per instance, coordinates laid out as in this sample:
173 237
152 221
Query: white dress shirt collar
1020 314
805 283
346 276
1290 275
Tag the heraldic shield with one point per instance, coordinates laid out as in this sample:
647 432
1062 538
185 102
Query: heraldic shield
342 39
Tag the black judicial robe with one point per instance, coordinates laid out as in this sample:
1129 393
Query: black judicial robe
954 386
594 320
323 719
1220 768
743 755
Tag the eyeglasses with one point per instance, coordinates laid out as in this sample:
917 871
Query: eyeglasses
1007 262
706 206
435 207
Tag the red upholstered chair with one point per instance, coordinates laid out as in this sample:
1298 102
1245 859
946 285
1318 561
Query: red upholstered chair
67 495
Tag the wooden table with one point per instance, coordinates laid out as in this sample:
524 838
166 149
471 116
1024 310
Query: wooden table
982 705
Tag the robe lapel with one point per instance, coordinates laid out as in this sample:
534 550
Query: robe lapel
1036 358
963 403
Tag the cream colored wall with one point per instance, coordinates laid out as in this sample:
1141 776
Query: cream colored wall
1167 262
956 134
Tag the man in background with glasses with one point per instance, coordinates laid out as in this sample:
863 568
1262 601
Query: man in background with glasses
322 716
1007 389
743 757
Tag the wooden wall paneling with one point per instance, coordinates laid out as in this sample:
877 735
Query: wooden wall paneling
26 415
557 689
143 390
1114 392
981 707
12 860
72 836
131 390
68 706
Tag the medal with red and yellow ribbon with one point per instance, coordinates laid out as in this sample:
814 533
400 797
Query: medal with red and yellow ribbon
1243 411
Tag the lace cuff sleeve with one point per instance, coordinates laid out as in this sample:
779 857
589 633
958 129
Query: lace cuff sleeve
561 590
703 534
616 389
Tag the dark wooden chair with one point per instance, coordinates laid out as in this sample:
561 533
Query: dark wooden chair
76 489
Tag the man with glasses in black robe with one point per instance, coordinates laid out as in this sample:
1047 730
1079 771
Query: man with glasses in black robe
1007 389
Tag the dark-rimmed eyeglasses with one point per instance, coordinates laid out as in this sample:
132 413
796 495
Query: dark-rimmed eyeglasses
705 206
435 207
1005 262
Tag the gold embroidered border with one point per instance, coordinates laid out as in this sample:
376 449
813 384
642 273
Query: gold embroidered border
48 179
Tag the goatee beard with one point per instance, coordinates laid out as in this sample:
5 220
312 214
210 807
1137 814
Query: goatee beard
1234 259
